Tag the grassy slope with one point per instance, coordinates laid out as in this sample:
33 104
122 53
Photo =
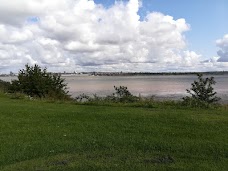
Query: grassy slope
43 136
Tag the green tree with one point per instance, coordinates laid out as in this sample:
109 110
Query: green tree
202 92
37 82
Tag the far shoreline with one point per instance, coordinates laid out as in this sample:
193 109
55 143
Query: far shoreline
94 73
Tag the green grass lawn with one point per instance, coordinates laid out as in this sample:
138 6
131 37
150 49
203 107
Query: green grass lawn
42 136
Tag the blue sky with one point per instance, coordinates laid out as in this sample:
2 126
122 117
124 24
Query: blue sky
207 18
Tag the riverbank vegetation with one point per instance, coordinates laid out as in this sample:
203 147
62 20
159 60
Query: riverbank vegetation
202 93
36 82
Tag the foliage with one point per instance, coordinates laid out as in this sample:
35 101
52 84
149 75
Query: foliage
36 82
122 94
202 93
4 86
82 98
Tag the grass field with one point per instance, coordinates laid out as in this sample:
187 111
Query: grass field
42 136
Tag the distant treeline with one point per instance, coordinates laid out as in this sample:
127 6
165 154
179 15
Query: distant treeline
133 73
154 73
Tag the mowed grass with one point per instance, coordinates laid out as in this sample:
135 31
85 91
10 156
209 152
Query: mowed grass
42 136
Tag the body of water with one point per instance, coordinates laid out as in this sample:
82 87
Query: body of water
169 86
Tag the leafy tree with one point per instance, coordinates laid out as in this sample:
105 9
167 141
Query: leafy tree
36 82
202 92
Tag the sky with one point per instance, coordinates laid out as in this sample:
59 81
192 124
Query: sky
109 35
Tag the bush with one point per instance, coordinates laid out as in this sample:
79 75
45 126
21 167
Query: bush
83 98
202 93
36 82
122 94
4 86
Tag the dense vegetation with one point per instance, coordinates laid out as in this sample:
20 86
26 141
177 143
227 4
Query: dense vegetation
41 136
4 86
37 82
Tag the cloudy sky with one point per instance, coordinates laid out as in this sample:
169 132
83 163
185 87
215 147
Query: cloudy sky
109 35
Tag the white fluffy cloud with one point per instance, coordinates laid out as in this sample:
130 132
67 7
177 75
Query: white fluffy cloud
81 35
223 52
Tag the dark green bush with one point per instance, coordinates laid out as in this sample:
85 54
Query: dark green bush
202 93
36 82
4 86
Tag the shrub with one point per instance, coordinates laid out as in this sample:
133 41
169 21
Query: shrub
202 93
4 86
36 82
122 94
82 98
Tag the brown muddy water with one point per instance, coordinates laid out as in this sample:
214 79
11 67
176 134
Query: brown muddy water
165 86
